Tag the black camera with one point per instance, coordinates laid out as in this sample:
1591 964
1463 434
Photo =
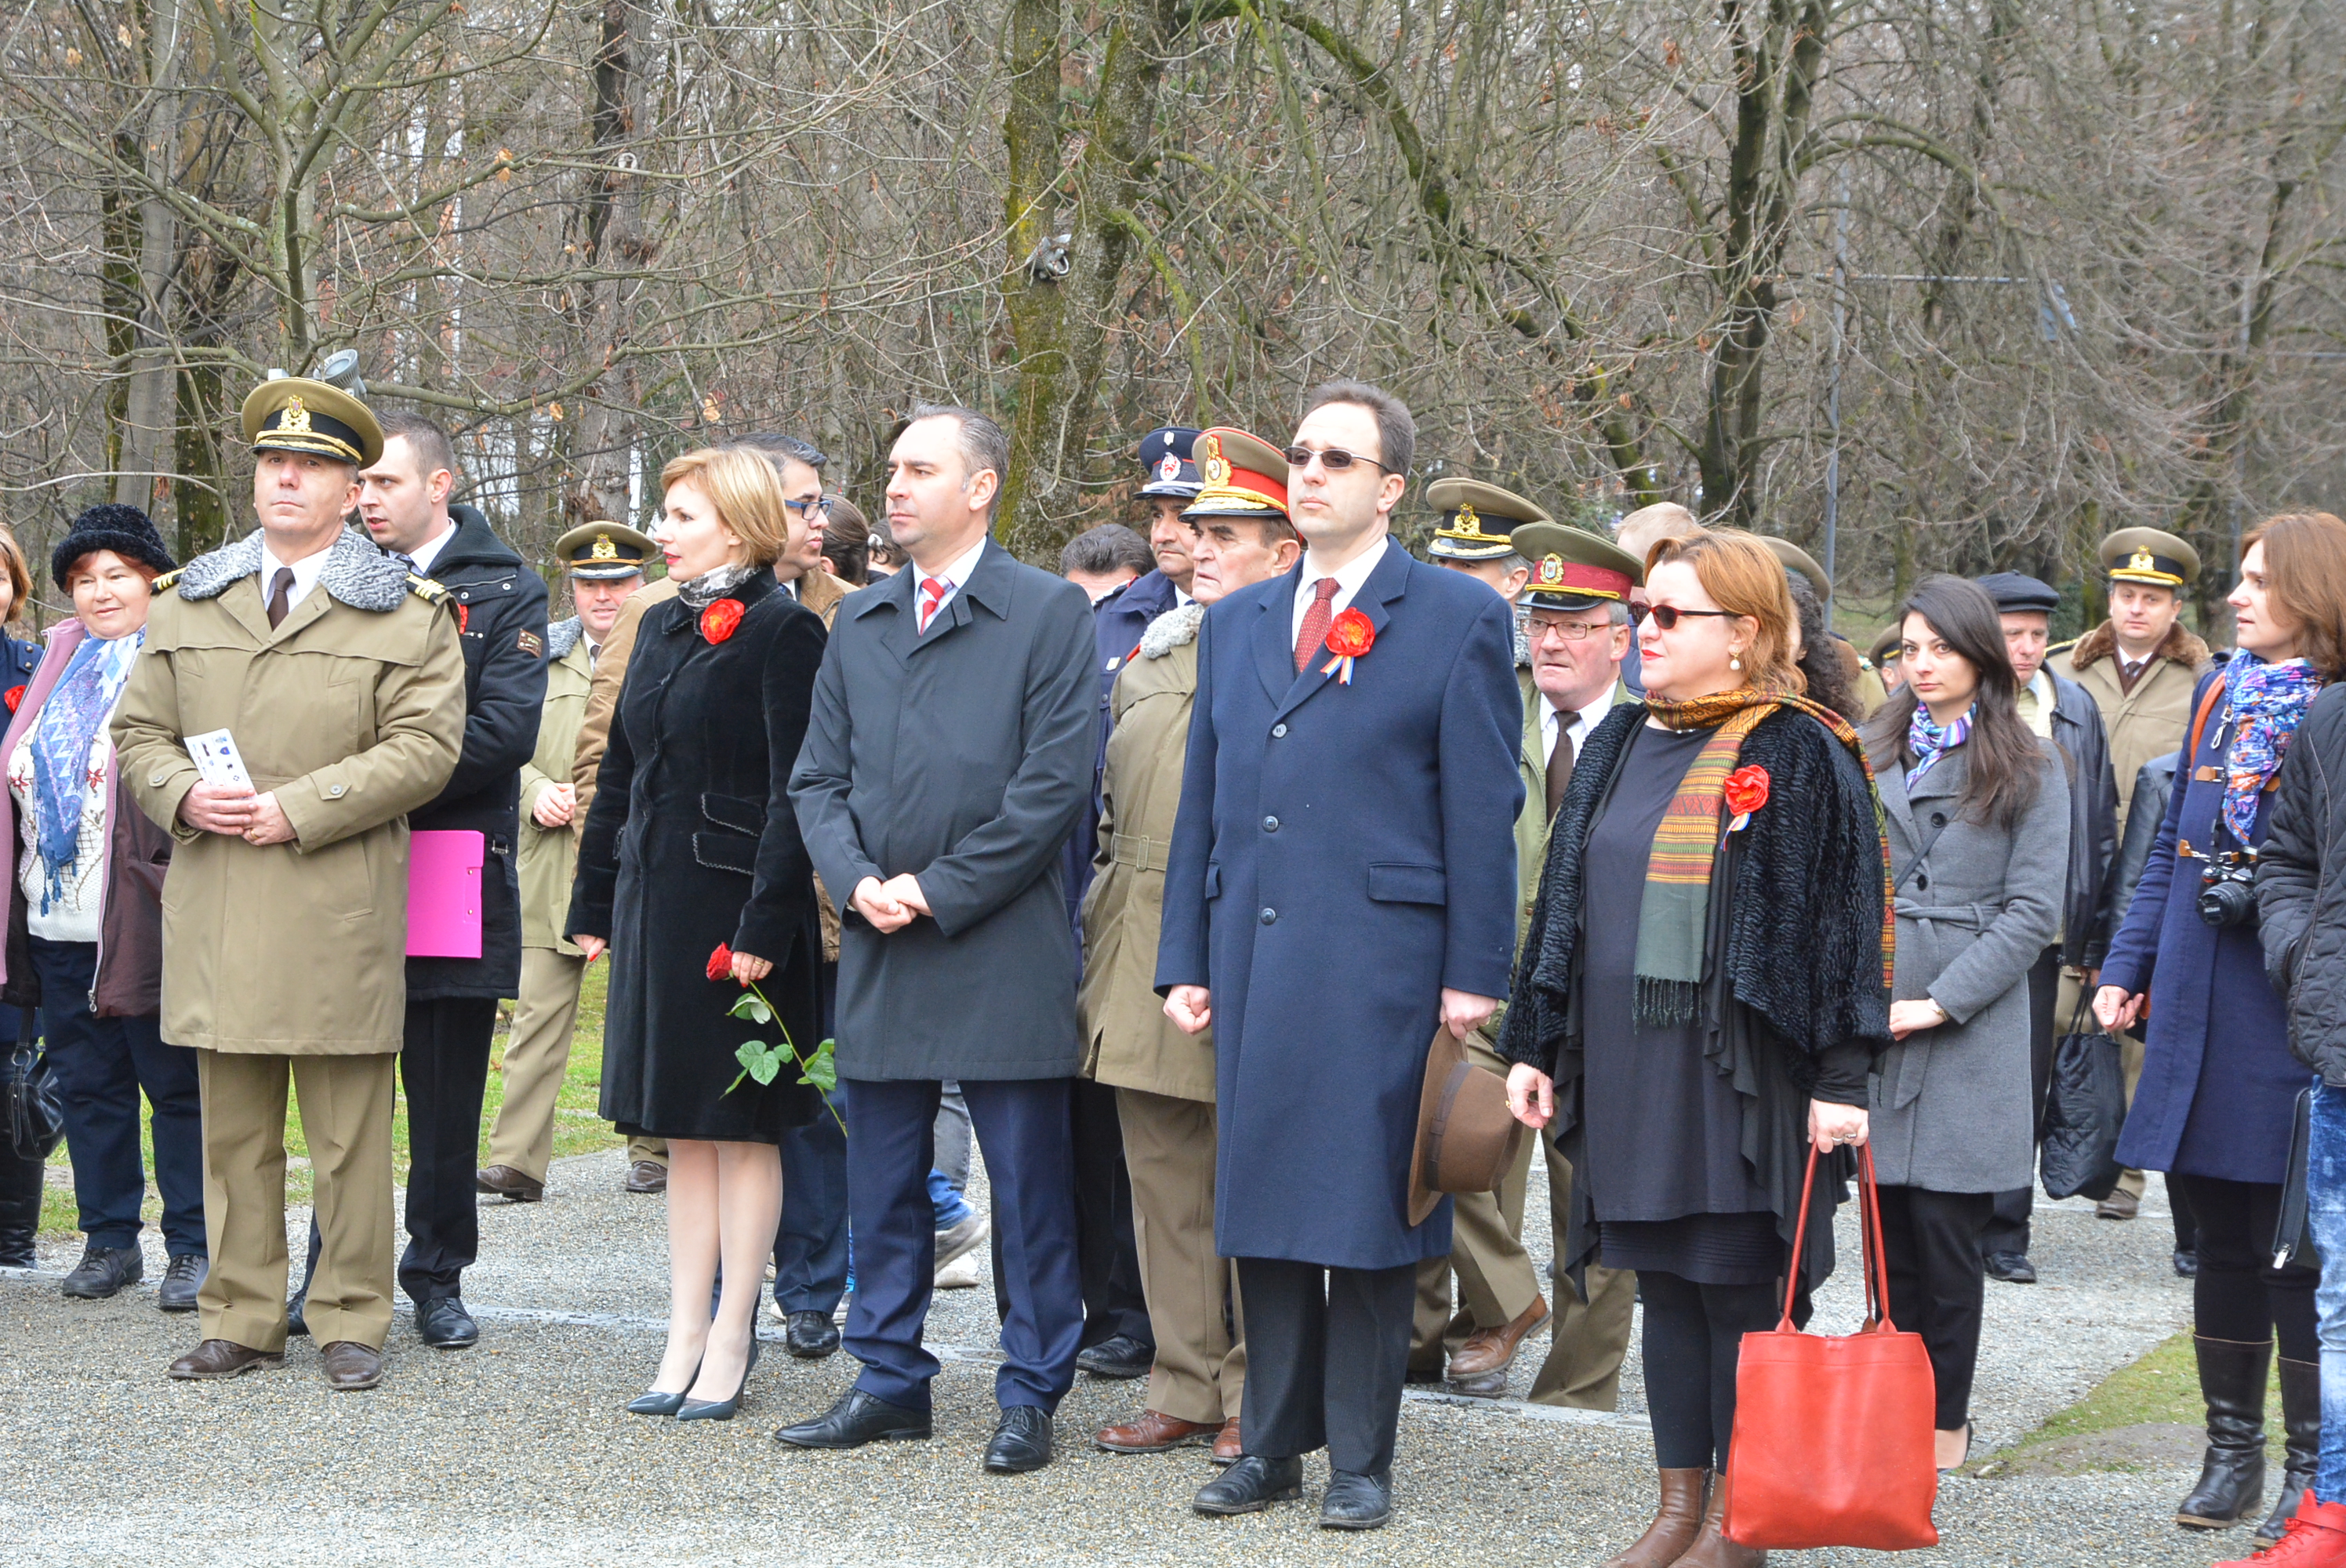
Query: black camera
2227 888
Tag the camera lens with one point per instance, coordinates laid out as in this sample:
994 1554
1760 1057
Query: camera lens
2227 902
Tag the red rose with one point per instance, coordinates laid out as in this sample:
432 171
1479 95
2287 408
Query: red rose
718 621
464 618
1351 636
16 694
720 963
1747 789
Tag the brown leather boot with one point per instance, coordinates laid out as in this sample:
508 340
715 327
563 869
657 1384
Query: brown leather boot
1712 1550
1676 1522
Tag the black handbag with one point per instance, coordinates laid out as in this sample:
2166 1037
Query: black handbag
28 1094
2084 1111
2293 1234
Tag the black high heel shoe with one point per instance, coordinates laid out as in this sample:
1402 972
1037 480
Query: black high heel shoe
723 1409
652 1402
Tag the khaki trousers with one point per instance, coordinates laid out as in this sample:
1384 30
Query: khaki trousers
537 1051
1496 1282
1192 1292
2130 1064
346 1108
1583 1369
648 1151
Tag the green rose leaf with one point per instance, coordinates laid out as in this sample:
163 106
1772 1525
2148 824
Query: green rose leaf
822 1072
752 1006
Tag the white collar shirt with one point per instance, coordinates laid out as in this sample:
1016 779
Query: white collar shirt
306 572
1351 578
955 577
429 552
1582 722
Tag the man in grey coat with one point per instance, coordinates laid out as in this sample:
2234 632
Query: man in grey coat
948 757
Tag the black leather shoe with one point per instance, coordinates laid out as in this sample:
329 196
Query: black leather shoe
181 1280
1022 1441
103 1271
444 1325
2187 1264
811 1336
1251 1485
857 1419
1117 1356
297 1326
1356 1502
2012 1268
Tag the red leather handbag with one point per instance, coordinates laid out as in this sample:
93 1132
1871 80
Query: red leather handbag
1833 1437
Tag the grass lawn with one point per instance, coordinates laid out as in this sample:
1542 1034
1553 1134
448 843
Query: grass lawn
576 1129
2161 1388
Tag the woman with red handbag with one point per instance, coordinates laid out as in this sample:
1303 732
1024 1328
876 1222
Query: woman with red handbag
1979 834
1704 983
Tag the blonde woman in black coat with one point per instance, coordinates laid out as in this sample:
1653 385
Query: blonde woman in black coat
692 875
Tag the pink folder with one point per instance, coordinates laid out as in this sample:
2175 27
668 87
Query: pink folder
444 894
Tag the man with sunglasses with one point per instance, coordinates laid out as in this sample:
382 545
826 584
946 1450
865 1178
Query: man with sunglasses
1341 885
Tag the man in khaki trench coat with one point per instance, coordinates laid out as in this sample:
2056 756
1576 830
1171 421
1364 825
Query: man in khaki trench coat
605 562
1163 1078
340 679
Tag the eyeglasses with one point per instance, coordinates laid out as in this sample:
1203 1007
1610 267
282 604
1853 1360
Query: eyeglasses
809 508
1667 617
1570 631
1335 459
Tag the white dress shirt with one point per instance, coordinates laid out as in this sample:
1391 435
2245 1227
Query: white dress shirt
1349 577
1581 722
429 551
306 572
954 575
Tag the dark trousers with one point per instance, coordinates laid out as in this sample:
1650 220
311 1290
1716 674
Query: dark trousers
443 1065
2007 1227
101 1064
1327 1350
1107 1257
1693 1338
20 1203
810 1243
2238 1294
1931 1243
1022 1131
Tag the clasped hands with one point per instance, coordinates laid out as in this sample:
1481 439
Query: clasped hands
236 813
891 905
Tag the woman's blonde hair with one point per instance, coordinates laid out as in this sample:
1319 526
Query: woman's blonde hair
742 485
2305 578
1744 578
20 575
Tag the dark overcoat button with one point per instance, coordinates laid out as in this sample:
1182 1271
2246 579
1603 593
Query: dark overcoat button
1270 824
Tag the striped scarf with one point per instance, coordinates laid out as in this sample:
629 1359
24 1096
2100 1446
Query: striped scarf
1675 918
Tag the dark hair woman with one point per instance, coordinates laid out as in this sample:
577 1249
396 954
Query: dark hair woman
90 875
2218 1088
20 1173
692 874
1718 827
1978 810
1819 659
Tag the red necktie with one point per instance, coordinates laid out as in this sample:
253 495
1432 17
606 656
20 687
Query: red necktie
1318 616
933 594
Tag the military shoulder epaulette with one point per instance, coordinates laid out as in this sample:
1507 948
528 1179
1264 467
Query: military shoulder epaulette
424 588
1863 662
168 581
2062 647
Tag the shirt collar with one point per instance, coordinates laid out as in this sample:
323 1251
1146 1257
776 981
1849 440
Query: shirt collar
1350 576
1588 718
306 572
2040 686
424 555
957 571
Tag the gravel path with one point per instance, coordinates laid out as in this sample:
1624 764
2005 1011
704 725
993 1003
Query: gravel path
518 1453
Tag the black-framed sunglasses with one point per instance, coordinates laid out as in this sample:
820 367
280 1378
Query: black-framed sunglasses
1667 617
1334 459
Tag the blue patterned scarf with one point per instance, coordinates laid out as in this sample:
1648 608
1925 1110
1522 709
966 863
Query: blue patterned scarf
2264 704
77 708
1929 742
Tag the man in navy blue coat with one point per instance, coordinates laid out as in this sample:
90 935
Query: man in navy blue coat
1342 882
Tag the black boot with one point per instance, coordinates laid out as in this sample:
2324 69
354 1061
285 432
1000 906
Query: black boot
2300 1417
20 1207
2232 1476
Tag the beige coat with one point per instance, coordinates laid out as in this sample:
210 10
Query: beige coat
603 694
352 712
549 855
2148 721
821 592
1127 1040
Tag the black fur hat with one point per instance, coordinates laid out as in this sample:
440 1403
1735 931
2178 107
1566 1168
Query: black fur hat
125 530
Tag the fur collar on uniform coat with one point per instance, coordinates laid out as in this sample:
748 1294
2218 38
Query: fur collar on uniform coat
356 573
2178 644
561 638
1173 630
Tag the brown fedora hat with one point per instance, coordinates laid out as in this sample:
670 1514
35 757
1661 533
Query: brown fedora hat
1466 1138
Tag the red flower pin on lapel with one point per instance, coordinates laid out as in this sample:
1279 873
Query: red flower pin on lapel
718 621
1746 793
1352 635
14 695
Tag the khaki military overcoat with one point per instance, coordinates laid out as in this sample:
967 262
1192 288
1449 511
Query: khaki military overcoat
2146 722
352 712
549 855
1127 1040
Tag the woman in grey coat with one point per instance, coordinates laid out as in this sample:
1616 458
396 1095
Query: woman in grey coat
1978 814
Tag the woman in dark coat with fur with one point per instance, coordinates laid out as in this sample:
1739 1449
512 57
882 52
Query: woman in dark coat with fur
1703 986
692 874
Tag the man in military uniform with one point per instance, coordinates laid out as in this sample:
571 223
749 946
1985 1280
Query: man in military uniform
2140 666
605 563
340 679
1502 1305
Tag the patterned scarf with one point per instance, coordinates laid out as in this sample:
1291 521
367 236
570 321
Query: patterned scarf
712 585
74 711
2265 702
1929 742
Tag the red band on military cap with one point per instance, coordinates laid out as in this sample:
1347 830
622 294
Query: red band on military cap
1555 576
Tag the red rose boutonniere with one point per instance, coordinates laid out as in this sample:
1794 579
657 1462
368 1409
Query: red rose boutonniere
1746 793
718 621
14 695
1351 636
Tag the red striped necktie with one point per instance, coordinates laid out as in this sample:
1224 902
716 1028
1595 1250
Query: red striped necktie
933 594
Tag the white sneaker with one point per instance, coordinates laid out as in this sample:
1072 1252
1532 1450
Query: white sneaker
961 1274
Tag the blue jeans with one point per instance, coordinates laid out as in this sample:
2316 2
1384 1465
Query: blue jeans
2325 1192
